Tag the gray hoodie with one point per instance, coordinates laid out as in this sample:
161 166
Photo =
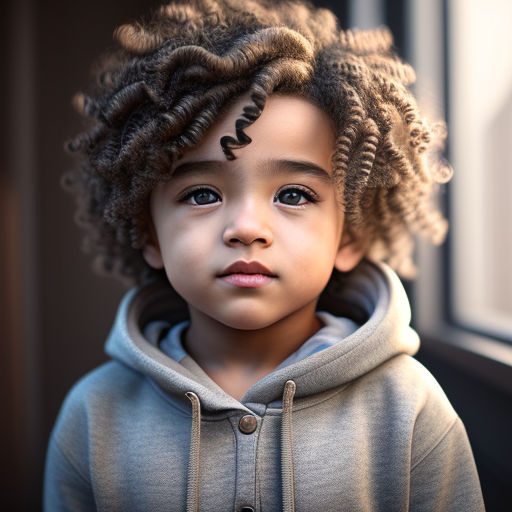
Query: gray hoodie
358 426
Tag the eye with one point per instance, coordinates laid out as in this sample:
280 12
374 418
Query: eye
295 196
201 196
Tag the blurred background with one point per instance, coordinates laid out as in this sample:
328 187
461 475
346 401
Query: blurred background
55 313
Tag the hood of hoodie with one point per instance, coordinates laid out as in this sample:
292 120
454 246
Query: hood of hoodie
371 294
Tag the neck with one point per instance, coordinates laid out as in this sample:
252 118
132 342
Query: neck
234 358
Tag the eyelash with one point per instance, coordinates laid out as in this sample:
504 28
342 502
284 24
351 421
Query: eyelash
190 193
308 194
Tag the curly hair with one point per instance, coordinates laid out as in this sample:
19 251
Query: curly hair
171 75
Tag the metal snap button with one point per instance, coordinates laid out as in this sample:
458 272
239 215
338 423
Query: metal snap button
247 424
246 509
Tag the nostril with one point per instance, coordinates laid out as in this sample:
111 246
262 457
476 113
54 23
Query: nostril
246 232
246 241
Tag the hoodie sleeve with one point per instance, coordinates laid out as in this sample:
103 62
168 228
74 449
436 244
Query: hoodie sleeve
67 483
445 478
65 488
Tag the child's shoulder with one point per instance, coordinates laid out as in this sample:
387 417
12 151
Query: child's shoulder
87 404
100 388
411 391
414 384
109 396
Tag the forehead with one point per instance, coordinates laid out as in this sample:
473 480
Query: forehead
289 128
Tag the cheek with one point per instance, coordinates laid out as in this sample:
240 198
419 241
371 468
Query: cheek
315 238
184 256
182 250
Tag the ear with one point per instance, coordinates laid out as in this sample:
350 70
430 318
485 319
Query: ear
350 252
153 256
151 252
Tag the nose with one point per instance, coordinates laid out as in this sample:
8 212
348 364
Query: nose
248 223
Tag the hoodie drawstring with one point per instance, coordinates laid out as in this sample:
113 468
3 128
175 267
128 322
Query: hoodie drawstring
194 461
287 471
287 468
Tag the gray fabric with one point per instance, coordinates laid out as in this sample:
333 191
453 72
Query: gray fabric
334 331
372 430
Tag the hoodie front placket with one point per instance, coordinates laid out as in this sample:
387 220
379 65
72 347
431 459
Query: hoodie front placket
246 428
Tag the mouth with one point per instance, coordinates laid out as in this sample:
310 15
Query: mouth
247 267
247 274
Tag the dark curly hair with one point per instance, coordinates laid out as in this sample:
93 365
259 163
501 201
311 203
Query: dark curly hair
169 77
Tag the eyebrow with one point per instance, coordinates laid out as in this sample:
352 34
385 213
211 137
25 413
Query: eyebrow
272 166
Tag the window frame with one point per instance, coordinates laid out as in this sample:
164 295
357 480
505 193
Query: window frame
483 354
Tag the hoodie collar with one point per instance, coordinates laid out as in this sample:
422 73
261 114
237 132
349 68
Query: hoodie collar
371 294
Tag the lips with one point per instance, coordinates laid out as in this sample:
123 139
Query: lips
244 274
247 267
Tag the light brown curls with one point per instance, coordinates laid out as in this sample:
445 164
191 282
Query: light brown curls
172 75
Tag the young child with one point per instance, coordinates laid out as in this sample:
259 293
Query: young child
251 168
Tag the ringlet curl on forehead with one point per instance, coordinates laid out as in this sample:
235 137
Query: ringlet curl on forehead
172 74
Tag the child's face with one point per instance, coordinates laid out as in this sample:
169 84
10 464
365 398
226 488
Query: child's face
274 205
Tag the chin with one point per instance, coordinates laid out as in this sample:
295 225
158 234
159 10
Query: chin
249 324
246 320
